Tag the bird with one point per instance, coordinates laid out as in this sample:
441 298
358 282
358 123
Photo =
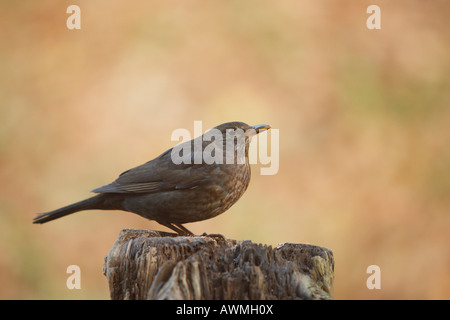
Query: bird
193 181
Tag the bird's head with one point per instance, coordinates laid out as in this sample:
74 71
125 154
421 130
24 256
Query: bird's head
233 129
236 136
227 143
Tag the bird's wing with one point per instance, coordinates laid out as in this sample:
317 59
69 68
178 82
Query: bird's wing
159 175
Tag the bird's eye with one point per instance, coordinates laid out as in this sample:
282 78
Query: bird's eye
231 132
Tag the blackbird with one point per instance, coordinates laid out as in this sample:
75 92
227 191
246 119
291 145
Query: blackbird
196 180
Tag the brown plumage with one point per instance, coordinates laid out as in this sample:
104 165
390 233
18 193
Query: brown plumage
173 194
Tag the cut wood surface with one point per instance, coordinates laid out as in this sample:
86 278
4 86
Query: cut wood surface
145 264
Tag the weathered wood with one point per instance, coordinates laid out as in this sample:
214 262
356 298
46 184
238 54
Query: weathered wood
144 264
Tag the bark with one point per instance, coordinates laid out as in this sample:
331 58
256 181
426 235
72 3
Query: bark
145 264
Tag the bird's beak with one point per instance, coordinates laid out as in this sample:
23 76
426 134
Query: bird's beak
257 129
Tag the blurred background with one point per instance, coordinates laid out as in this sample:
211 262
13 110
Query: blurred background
363 117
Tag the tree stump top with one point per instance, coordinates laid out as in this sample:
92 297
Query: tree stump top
145 264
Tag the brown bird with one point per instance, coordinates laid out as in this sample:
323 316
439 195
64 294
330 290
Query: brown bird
196 180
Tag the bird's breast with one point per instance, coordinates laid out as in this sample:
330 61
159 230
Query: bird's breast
233 181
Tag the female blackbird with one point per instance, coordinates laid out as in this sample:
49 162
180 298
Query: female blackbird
196 180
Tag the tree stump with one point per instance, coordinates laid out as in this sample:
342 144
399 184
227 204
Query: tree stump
145 264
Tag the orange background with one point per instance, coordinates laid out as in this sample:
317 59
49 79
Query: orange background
363 117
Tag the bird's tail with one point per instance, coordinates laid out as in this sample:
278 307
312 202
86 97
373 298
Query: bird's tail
88 204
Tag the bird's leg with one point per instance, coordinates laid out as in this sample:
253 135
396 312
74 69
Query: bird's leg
178 228
187 232
171 226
